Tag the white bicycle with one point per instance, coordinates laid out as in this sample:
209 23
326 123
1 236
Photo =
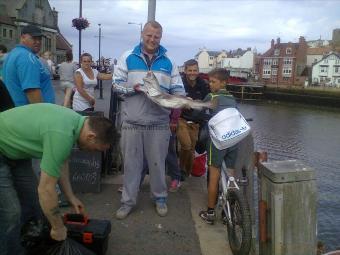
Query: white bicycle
235 212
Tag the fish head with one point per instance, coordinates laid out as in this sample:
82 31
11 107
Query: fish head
151 84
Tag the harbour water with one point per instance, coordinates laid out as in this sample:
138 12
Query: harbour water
311 134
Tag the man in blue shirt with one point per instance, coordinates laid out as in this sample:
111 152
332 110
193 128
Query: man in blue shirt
26 78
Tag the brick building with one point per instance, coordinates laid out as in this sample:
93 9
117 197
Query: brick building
283 63
15 14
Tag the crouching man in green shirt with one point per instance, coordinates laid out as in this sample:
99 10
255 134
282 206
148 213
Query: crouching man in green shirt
48 132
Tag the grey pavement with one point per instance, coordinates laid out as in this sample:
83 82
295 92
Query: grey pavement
143 232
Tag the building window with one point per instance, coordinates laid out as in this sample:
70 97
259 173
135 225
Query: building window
336 69
339 81
287 72
337 61
287 61
275 61
323 69
266 72
289 51
4 32
11 33
274 71
276 52
267 62
47 44
38 3
210 64
211 58
326 61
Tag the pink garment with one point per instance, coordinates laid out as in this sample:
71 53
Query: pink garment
174 116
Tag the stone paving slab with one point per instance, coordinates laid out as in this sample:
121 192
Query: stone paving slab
143 232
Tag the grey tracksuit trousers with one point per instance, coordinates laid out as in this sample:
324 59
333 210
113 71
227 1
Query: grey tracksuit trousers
140 142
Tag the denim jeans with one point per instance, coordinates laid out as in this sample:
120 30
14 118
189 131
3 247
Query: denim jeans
171 159
18 202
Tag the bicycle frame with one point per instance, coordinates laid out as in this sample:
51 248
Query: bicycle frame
236 211
226 183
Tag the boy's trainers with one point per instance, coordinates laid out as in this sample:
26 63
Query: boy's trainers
174 186
161 207
208 216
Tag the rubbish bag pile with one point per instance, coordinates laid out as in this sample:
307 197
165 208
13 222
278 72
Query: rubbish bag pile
35 237
69 247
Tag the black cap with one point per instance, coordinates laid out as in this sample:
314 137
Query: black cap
32 30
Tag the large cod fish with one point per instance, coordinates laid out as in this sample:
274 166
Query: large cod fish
153 91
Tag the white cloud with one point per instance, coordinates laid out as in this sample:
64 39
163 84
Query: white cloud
133 5
191 24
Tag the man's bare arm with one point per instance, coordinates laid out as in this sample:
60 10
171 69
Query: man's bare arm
34 96
104 76
48 198
67 188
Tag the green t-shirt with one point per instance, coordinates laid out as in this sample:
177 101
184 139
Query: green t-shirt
45 131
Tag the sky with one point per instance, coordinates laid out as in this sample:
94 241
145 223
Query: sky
189 25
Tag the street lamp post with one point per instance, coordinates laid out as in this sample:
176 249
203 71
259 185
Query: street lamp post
80 14
151 10
99 63
141 28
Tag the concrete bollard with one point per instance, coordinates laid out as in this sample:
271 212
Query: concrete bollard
287 208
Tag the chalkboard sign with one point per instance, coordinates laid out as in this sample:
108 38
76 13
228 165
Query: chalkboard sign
86 167
85 170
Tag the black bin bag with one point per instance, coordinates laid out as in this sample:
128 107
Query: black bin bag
35 237
68 247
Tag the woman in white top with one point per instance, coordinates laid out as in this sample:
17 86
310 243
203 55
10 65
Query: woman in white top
86 79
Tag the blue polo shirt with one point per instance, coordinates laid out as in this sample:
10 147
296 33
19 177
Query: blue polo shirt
23 70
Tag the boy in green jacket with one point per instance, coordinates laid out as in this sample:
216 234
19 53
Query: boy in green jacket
221 100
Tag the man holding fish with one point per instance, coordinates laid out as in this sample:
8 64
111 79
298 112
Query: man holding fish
145 123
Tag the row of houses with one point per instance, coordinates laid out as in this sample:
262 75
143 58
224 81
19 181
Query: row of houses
300 63
16 14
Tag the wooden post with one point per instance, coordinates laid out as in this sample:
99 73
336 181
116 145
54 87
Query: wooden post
287 198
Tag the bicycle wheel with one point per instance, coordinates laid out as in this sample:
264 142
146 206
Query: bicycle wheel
239 226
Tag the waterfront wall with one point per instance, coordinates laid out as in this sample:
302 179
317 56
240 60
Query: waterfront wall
305 96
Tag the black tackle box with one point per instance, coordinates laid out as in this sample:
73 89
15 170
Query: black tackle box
91 233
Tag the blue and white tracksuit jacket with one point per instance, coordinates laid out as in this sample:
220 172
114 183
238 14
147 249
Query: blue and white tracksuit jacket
145 125
131 69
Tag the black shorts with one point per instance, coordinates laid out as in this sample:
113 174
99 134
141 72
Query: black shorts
216 156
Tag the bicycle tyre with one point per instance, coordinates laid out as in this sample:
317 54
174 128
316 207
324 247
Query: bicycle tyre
240 226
